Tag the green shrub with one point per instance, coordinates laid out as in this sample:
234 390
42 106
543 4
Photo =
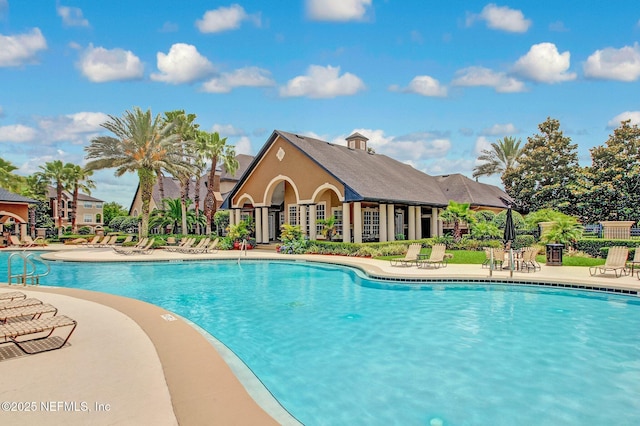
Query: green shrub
594 246
84 230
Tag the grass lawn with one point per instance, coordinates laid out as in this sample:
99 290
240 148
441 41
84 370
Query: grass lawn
470 257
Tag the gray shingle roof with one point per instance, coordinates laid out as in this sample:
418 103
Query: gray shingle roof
464 190
10 197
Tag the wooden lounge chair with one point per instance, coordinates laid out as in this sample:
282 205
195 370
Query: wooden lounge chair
410 258
27 312
12 295
616 261
23 332
437 259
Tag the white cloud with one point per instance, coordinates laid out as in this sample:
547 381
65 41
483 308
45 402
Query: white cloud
544 64
337 10
614 64
75 128
418 147
323 82
482 143
634 116
21 49
72 16
500 130
227 130
423 85
480 76
17 133
501 18
243 77
224 19
243 146
100 65
183 64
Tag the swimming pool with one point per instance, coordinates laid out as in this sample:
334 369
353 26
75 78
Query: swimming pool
335 348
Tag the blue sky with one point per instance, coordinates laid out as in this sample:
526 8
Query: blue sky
430 83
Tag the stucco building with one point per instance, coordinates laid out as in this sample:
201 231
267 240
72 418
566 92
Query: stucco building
14 208
89 211
299 180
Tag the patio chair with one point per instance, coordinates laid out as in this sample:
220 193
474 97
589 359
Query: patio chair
12 295
100 242
128 239
184 243
27 312
147 249
110 242
498 257
410 258
15 241
213 247
616 261
635 262
21 333
30 242
528 260
437 259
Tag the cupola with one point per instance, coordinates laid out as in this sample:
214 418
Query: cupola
357 141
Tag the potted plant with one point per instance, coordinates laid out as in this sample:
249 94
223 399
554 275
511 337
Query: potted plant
329 227
237 233
562 230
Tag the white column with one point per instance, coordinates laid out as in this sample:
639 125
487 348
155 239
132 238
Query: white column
391 217
412 223
258 218
265 225
383 222
418 222
434 222
312 222
23 230
303 219
357 222
238 220
346 222
232 217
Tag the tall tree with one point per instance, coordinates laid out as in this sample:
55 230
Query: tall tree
111 210
547 172
200 167
185 129
9 180
144 145
612 190
502 155
56 174
458 213
211 146
78 179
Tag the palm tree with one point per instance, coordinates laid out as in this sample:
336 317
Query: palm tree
56 173
201 167
172 216
144 145
503 155
78 179
456 213
185 129
211 146
9 180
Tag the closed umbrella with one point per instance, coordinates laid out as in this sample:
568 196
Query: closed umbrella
509 237
509 229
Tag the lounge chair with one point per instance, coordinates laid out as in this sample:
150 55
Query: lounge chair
200 248
528 260
15 241
23 332
635 262
147 249
94 240
19 303
410 258
110 242
39 241
437 259
127 240
130 249
27 312
184 243
12 295
100 242
616 261
213 247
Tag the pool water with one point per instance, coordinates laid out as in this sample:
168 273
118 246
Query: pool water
337 349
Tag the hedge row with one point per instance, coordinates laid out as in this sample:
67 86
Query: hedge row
598 247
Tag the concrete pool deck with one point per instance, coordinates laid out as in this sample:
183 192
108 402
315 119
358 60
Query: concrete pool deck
128 363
